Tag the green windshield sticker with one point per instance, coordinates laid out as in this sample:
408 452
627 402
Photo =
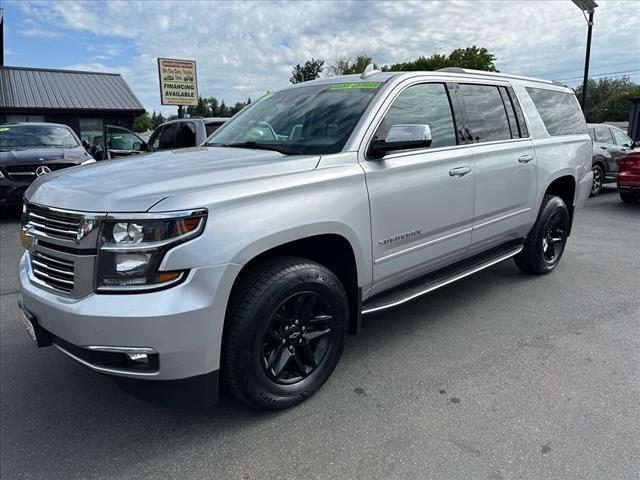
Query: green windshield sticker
116 137
354 85
4 129
267 96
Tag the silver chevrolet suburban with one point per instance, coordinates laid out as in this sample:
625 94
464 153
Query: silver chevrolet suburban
250 257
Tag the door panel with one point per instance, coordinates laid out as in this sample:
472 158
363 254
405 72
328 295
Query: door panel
505 165
421 200
421 215
506 182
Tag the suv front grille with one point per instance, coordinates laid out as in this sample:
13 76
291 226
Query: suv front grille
56 273
52 225
62 253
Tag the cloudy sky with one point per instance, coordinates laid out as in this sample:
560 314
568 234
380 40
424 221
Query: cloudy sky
247 48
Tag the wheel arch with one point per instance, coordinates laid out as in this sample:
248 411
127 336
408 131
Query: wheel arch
333 250
564 187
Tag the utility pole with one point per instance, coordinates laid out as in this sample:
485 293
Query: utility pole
586 6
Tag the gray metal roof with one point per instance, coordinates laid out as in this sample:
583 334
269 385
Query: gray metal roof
44 89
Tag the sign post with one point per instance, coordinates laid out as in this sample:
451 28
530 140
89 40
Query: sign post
178 83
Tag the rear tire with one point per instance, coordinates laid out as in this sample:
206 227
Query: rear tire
629 197
598 180
545 244
284 332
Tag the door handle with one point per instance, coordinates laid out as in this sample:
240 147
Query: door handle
525 158
603 148
459 171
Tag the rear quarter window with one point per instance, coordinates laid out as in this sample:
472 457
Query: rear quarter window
560 111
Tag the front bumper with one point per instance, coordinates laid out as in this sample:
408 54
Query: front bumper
183 324
11 192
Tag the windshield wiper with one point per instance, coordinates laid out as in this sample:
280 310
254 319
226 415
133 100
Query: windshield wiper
258 146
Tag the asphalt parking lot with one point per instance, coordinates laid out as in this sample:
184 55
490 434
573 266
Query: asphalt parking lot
500 376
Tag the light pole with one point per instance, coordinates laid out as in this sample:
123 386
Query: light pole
586 6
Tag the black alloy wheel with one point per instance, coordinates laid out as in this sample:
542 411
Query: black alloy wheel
598 180
555 237
545 244
284 332
297 338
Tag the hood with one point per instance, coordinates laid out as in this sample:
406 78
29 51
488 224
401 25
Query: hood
136 184
43 155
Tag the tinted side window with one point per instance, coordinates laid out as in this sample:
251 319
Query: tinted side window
603 135
211 127
168 137
185 135
485 114
560 111
620 138
426 103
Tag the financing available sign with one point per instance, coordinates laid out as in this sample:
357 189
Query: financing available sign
178 82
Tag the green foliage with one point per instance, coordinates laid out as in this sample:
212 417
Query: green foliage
471 57
142 123
212 107
157 119
309 71
347 67
608 99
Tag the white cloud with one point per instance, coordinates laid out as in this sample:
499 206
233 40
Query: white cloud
248 48
37 32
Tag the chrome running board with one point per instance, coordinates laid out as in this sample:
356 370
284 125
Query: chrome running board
428 283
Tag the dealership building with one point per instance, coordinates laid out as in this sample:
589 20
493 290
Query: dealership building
85 101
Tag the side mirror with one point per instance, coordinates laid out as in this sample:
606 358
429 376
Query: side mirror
136 146
401 137
85 144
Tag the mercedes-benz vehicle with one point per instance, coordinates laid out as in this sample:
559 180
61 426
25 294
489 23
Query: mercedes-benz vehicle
30 150
249 258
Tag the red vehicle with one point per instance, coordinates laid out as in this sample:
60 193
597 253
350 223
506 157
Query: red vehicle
629 177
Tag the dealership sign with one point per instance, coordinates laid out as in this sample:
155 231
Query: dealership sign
178 82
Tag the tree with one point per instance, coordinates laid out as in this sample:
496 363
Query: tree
608 99
200 110
142 123
309 71
347 67
471 57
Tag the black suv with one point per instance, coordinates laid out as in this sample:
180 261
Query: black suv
610 144
29 150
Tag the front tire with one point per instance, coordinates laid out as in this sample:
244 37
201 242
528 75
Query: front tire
545 244
598 180
284 332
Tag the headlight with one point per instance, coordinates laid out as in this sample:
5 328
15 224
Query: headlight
1 174
131 249
89 161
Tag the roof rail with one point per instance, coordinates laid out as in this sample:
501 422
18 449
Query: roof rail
497 75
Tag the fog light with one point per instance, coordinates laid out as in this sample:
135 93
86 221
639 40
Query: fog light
132 263
138 357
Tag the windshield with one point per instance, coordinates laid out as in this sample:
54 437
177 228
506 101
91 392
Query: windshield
35 136
316 119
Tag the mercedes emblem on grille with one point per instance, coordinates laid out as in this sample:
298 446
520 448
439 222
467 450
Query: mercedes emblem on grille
42 170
